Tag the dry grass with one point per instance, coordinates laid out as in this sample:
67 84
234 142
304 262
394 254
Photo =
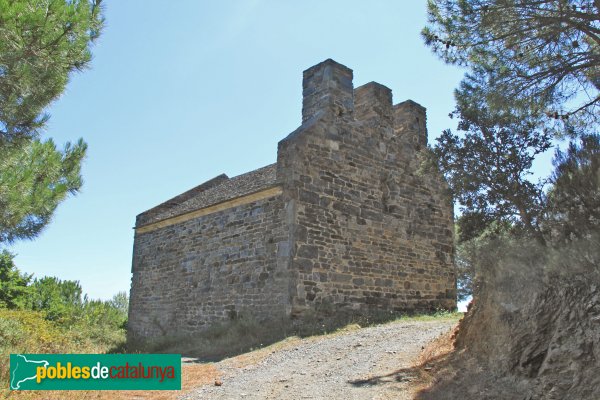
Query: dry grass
437 349
256 356
430 357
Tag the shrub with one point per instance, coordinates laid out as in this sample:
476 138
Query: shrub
13 284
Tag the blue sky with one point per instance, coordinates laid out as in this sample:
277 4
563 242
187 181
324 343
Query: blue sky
179 92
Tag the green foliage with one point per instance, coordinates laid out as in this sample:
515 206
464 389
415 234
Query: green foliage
34 179
465 272
66 312
41 43
25 331
569 212
499 258
529 63
431 316
469 254
59 300
62 302
102 323
30 332
574 200
120 302
540 54
488 165
13 284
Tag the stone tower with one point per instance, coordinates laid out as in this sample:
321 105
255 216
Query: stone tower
347 221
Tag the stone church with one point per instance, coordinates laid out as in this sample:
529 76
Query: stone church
349 219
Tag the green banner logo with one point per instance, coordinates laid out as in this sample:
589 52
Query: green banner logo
95 372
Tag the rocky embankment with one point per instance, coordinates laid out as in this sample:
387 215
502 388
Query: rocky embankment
533 331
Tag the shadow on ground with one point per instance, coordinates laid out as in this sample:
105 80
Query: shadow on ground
419 374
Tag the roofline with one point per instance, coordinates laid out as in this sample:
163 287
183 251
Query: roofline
264 193
182 197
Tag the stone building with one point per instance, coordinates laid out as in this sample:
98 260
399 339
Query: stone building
347 220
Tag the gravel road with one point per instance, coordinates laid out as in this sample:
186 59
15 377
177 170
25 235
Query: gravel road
360 364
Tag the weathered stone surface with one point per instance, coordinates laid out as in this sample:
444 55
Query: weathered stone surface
189 275
533 328
357 226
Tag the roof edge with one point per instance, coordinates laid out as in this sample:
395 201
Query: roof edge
230 202
145 217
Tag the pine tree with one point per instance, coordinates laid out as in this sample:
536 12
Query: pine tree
574 199
42 42
542 54
34 178
488 165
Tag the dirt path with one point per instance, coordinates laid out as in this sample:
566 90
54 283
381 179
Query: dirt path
360 364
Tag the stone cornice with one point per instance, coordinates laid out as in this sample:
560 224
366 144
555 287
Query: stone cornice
238 201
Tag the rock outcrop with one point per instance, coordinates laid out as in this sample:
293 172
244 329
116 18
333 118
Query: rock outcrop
533 330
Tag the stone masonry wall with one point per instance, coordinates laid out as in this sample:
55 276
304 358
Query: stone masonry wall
371 231
189 275
358 225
